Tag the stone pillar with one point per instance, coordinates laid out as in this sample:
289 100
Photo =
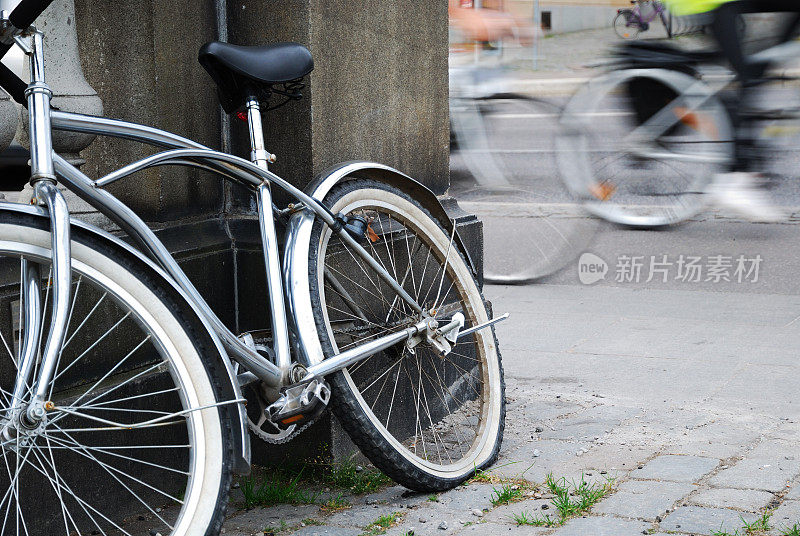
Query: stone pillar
378 91
141 57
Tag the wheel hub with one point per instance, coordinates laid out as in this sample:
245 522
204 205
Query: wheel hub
21 428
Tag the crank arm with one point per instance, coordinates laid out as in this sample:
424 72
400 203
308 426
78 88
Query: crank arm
491 322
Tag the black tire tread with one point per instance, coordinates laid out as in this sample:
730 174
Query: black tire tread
347 409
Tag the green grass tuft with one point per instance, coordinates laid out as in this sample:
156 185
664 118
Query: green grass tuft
794 530
333 504
537 520
281 488
759 525
382 524
506 494
570 499
349 475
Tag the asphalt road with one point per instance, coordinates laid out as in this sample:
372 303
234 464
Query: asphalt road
522 134
532 225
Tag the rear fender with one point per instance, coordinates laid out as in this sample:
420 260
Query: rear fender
298 243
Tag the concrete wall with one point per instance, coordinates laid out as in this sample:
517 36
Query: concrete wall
571 18
378 92
141 57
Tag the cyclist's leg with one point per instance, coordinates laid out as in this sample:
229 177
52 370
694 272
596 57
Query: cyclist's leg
740 190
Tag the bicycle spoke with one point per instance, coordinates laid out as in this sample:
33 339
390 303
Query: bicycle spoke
110 468
91 347
82 451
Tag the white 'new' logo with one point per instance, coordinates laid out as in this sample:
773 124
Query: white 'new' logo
591 268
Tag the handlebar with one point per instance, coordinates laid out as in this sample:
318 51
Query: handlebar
21 18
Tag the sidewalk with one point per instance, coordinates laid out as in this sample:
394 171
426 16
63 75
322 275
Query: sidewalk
686 398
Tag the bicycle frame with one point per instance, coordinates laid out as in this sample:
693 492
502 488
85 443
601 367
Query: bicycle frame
690 100
658 8
46 165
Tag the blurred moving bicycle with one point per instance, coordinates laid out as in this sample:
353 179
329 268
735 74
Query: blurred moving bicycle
667 130
503 140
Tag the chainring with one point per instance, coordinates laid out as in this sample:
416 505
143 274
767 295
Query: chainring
272 434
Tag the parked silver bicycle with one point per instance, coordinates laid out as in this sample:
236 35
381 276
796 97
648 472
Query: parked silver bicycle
115 370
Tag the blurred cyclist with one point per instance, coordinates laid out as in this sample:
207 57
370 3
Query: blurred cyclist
487 25
741 189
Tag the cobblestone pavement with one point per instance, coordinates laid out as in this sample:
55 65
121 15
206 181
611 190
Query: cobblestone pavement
686 399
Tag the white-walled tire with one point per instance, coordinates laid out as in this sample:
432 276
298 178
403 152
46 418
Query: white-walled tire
152 360
436 419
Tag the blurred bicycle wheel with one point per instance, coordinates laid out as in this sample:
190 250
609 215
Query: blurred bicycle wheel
503 170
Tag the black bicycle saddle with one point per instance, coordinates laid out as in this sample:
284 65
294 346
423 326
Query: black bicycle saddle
241 72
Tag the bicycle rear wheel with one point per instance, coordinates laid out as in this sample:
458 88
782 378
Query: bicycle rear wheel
126 447
428 421
625 25
626 175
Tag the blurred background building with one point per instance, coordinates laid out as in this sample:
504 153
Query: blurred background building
558 16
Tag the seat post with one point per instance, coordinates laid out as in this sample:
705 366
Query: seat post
280 331
258 153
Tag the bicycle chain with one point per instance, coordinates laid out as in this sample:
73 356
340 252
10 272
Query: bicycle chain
279 439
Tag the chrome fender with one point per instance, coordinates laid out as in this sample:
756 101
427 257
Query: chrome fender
241 436
305 340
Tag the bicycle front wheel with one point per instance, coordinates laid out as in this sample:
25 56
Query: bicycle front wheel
132 442
628 172
427 420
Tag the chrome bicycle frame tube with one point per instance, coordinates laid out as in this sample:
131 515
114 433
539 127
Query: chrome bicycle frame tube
247 172
46 192
269 244
184 150
30 327
39 95
123 216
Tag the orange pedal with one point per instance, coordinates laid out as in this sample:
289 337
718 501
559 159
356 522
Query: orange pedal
602 190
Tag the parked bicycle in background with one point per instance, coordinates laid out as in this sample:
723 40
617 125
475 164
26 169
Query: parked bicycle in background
630 22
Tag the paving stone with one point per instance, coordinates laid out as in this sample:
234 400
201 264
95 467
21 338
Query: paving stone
794 492
491 529
676 468
602 526
361 516
395 495
643 499
272 516
763 472
465 498
740 499
785 516
552 454
700 520
326 531
504 515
